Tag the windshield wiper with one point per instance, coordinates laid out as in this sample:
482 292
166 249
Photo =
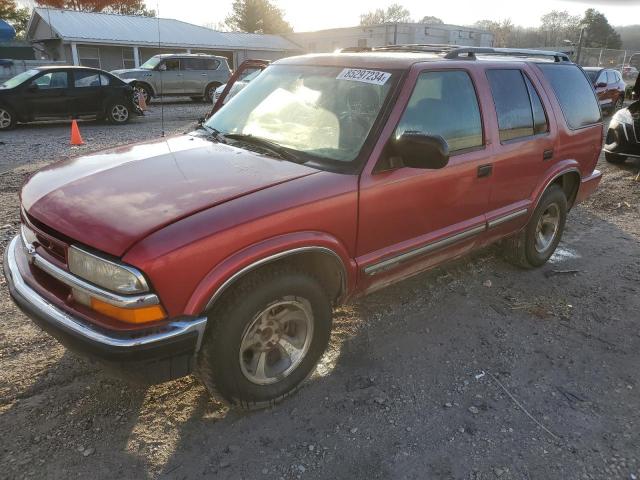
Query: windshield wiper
279 150
216 134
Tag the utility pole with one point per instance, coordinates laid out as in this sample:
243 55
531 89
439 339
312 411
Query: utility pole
579 51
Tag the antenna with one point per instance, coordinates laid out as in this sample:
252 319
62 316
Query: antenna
161 73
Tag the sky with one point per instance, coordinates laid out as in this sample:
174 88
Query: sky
306 15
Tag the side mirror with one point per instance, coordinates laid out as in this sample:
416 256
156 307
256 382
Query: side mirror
162 67
33 87
418 150
601 84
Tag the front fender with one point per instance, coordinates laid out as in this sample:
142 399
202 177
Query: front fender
223 275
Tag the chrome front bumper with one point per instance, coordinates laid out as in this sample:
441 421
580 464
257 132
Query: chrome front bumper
180 338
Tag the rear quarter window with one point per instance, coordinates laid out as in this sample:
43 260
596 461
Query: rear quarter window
574 93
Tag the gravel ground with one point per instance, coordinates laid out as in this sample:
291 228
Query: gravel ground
476 370
49 141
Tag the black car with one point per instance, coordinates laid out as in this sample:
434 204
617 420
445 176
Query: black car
65 92
623 135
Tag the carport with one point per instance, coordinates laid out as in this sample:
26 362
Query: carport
110 41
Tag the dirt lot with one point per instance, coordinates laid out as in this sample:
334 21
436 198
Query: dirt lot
477 370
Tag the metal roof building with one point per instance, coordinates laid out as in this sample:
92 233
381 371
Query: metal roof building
390 34
112 41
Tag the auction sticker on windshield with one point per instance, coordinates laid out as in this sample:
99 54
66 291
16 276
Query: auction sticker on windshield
367 76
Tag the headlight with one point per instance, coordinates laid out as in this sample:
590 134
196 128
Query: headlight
623 116
104 273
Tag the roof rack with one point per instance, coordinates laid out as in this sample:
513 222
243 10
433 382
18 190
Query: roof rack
457 52
508 52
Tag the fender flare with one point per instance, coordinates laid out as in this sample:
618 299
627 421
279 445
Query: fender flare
234 267
567 166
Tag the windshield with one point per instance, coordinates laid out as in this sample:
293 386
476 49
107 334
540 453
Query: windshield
593 75
325 112
20 78
151 63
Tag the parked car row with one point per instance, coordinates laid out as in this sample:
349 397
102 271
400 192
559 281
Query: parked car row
46 93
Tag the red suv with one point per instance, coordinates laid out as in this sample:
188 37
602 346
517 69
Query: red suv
223 251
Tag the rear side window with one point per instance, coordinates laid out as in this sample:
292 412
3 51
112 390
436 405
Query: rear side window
86 79
211 64
193 64
445 104
574 93
513 106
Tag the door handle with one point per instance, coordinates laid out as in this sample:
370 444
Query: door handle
485 170
203 74
547 155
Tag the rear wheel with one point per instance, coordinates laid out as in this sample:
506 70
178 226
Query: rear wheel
265 338
535 244
619 104
614 157
118 113
7 118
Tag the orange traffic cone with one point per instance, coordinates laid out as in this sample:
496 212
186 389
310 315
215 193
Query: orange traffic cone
142 103
76 138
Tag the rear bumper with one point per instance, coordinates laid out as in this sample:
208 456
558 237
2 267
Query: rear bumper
152 356
588 185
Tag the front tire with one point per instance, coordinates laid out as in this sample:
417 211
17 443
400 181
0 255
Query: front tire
535 244
8 118
146 92
118 113
265 338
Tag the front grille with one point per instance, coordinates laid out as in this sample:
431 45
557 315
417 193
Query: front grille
48 240
53 247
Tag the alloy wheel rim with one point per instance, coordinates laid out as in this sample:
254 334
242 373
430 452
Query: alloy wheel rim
277 341
547 228
5 118
119 113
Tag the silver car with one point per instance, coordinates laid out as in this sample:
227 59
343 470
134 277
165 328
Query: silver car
236 87
190 75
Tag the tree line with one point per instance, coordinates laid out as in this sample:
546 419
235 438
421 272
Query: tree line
557 28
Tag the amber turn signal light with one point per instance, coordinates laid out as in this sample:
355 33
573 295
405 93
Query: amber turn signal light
129 315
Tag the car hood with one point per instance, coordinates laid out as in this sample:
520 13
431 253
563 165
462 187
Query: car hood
111 199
